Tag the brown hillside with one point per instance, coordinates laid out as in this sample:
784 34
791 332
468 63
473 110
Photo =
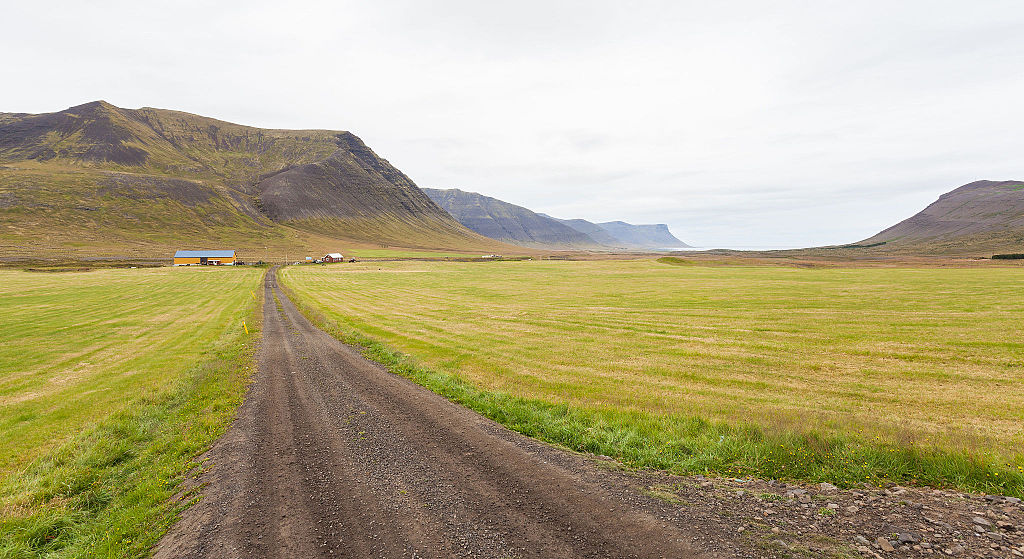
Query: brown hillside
980 218
96 179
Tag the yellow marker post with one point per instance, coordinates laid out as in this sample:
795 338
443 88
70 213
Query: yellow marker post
246 327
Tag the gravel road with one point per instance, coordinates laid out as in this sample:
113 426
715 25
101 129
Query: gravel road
332 456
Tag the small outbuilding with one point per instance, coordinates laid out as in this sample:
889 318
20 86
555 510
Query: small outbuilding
204 258
333 257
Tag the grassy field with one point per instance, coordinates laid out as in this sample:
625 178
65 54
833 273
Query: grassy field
850 375
403 253
111 382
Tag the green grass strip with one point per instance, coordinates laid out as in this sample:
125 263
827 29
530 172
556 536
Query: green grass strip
114 489
691 445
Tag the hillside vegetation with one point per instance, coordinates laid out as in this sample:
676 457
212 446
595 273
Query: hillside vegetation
981 218
843 375
98 179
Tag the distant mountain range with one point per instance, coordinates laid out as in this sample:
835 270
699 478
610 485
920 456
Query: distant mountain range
980 218
506 222
652 236
518 225
98 179
592 230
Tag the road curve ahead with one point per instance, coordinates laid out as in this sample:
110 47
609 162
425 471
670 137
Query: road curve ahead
332 456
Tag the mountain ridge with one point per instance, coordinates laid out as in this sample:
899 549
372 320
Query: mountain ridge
592 230
509 222
162 178
654 236
979 217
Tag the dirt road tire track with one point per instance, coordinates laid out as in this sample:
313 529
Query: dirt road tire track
332 456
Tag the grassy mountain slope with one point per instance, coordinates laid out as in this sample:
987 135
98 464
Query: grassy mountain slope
507 222
98 179
980 218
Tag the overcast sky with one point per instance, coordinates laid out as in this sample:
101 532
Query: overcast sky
785 123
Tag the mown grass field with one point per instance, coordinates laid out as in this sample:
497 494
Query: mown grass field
404 253
848 374
111 382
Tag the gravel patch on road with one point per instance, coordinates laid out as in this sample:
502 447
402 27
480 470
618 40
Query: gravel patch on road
820 520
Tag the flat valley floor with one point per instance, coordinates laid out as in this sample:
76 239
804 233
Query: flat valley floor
332 456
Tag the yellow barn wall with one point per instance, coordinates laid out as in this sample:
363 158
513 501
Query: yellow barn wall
224 261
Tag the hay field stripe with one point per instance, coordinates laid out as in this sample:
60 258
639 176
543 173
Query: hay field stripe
858 347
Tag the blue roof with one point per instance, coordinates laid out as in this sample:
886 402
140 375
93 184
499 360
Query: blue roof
204 253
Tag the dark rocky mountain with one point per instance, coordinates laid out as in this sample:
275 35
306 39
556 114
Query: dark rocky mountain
982 218
507 222
100 177
518 225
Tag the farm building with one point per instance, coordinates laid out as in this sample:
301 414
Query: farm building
333 257
204 258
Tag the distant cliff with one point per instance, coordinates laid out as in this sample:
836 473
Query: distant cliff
655 236
507 222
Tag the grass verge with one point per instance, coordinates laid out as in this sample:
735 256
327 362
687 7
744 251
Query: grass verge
686 444
117 486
